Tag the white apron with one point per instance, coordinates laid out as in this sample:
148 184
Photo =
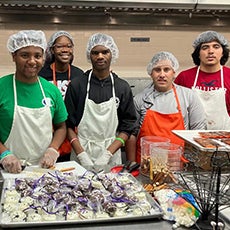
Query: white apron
97 128
31 131
214 104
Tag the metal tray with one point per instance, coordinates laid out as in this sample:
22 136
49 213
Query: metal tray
154 212
188 135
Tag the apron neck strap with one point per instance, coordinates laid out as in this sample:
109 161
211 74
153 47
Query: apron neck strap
221 76
88 85
177 99
196 77
53 67
15 90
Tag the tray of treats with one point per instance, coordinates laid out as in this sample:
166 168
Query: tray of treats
206 140
57 198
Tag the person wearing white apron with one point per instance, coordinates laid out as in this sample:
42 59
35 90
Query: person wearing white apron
28 127
59 70
214 104
100 107
97 129
20 140
210 79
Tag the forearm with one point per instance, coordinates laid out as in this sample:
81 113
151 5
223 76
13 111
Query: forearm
59 135
120 140
130 148
2 148
74 141
4 151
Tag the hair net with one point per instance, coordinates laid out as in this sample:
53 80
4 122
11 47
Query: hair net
166 56
26 38
52 41
209 36
107 41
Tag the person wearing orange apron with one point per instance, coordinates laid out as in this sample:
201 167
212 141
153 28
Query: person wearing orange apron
210 79
164 106
100 107
59 70
33 114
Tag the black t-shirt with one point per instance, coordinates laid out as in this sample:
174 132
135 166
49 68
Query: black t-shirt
100 91
61 78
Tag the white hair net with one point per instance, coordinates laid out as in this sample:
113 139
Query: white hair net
209 36
107 41
162 56
26 38
52 41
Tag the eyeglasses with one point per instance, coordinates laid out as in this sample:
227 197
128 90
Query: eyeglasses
59 46
104 52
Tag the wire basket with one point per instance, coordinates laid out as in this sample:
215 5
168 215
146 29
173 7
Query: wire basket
210 188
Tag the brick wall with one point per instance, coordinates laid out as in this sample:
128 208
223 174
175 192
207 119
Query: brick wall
134 56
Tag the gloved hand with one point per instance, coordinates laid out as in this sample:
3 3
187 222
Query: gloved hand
84 159
49 158
104 158
11 164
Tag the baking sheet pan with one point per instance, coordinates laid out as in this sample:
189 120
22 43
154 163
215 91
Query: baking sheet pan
188 135
154 212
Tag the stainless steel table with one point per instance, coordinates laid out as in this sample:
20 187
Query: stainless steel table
135 225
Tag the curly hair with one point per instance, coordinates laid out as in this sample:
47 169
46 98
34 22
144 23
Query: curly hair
196 55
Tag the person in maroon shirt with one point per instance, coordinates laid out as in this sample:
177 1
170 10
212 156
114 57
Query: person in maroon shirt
210 79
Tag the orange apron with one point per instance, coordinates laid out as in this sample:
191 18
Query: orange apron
159 124
65 148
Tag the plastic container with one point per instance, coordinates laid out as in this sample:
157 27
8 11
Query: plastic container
145 151
166 158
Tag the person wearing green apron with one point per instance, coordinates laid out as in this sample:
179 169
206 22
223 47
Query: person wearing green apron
101 113
29 107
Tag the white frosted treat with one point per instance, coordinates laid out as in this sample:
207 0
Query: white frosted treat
124 178
97 184
73 215
12 193
102 215
17 216
140 196
48 217
137 212
34 217
27 200
121 205
11 199
22 206
120 213
145 206
10 207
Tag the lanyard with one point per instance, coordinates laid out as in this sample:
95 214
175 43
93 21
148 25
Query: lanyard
53 66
